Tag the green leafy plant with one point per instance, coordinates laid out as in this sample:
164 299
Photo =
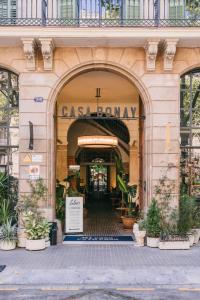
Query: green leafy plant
36 227
153 221
196 215
8 232
5 211
185 221
128 194
3 185
29 202
60 201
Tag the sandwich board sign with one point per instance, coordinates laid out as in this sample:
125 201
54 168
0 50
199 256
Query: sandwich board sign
74 215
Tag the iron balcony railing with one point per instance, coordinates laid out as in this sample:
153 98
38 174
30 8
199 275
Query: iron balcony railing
100 13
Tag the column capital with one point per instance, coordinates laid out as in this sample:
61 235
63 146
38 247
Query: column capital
151 48
29 46
47 47
169 47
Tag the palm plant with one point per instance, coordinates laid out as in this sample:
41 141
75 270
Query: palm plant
5 211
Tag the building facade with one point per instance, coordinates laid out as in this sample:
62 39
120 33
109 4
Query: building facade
53 56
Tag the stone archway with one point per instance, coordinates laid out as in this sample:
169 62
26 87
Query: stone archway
114 68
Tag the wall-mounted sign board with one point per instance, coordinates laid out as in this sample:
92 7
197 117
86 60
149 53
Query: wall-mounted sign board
38 99
74 215
37 158
34 172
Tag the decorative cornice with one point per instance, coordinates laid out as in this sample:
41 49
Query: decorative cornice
47 47
29 46
151 49
169 53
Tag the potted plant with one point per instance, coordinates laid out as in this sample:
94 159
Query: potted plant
172 238
185 217
29 203
37 228
153 225
139 230
128 200
60 202
8 236
196 222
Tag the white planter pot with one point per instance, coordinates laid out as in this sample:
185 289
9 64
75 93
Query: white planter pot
135 228
174 245
196 233
191 238
139 236
35 244
152 242
7 245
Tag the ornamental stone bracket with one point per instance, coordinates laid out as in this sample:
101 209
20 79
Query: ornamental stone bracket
151 49
47 47
169 47
29 46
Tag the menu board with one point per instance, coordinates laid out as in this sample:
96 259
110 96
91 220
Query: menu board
74 215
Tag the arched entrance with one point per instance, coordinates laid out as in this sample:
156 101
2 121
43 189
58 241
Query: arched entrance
100 102
131 76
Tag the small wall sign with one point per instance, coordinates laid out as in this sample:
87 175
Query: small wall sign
27 159
37 158
34 172
38 99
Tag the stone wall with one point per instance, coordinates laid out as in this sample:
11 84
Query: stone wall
159 91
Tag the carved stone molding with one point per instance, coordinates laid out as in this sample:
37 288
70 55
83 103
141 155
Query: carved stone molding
29 47
47 47
151 49
169 53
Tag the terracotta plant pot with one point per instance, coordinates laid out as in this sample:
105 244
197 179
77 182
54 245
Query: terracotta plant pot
35 244
128 222
153 242
7 245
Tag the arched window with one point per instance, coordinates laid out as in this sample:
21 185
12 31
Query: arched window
190 132
9 126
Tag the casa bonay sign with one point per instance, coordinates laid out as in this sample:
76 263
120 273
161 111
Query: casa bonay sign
101 112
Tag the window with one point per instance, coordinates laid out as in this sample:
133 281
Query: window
190 132
9 125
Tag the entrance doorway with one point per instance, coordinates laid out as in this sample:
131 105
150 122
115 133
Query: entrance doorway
114 116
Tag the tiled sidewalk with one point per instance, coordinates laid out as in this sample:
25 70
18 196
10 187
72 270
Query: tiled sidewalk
113 256
102 265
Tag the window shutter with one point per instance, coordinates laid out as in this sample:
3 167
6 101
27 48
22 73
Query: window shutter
8 9
68 9
132 10
176 9
13 9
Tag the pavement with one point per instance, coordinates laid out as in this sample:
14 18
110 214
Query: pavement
100 272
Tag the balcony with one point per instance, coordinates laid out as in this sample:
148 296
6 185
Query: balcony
100 13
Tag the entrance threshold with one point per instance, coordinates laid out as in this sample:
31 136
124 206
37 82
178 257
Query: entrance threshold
97 240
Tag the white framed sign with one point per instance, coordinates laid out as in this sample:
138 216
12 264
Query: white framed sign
34 172
74 215
37 158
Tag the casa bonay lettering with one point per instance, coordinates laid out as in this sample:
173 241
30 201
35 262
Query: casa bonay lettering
116 111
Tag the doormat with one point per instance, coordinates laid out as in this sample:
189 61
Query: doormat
93 239
2 268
